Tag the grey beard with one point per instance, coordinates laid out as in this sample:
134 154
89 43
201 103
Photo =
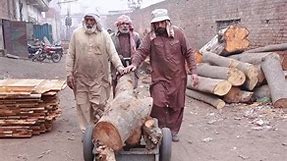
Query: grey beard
124 31
90 30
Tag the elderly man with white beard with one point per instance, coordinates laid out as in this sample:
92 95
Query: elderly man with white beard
87 66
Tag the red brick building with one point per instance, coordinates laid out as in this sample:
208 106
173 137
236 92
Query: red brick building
201 19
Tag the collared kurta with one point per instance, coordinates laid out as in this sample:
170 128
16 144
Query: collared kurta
88 60
168 56
126 45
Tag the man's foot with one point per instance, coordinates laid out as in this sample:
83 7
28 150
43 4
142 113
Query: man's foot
175 138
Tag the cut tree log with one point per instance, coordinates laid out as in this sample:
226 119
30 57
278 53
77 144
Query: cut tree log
214 86
260 76
255 59
269 48
206 98
251 58
198 57
283 56
249 70
103 153
261 92
236 95
134 138
151 133
276 80
125 114
233 75
215 45
232 39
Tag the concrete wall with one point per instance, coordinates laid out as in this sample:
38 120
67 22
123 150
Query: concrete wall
4 9
53 18
34 15
265 19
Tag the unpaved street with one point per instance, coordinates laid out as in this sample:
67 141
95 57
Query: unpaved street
252 133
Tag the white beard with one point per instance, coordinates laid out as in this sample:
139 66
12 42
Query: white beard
90 30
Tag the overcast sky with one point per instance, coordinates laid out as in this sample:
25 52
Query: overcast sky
103 6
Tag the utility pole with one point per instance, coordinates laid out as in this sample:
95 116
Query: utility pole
68 18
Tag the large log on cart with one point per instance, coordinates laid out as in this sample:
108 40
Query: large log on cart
249 70
276 80
233 75
126 114
232 39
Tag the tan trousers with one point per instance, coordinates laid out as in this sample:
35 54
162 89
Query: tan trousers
88 113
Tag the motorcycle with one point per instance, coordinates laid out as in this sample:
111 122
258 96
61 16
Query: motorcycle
33 50
53 53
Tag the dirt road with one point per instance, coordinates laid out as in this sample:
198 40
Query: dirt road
252 133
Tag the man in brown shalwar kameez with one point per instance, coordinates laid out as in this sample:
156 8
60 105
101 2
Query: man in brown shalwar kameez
126 42
168 50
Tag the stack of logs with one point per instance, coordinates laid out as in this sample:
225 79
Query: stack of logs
28 106
229 74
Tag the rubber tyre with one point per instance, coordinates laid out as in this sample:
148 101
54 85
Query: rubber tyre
165 146
56 57
88 144
41 57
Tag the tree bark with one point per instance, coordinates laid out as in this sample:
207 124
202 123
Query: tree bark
276 80
126 113
249 70
260 76
215 86
269 48
261 92
251 58
233 75
232 39
255 59
206 98
151 133
235 95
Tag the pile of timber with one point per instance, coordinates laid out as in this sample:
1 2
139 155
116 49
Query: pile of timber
28 106
229 73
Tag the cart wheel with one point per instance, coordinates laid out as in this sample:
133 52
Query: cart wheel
165 146
88 144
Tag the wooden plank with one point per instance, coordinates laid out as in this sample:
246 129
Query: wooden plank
20 96
50 85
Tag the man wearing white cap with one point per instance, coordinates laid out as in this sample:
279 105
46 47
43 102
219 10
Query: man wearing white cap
87 66
169 52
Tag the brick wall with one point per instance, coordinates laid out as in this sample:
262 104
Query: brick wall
265 19
4 9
